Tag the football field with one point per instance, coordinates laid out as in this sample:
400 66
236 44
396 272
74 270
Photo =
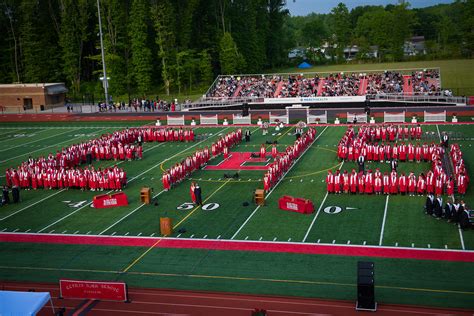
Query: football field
354 220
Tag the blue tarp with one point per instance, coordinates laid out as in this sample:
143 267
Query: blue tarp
304 65
22 303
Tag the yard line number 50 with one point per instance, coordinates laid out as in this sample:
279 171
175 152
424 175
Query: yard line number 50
206 207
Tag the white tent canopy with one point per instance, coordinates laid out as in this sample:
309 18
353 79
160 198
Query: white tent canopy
23 303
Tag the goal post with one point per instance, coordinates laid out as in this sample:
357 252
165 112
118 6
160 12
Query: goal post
394 117
434 116
175 120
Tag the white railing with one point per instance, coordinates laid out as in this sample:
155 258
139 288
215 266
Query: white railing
317 119
279 118
175 120
241 120
419 98
434 117
361 117
208 120
394 117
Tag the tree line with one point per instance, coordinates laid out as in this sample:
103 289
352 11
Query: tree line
448 30
181 45
177 44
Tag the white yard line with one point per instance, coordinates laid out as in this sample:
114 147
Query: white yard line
439 134
127 215
383 221
461 238
276 185
33 204
34 141
317 213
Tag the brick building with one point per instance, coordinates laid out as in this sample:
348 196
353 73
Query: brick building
32 96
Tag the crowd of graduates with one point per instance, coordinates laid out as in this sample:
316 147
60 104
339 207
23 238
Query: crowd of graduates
364 146
63 170
283 161
182 169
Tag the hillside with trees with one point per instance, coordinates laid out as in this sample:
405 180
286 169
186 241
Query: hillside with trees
179 46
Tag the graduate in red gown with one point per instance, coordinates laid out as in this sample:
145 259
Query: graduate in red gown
262 151
330 182
191 192
353 182
403 184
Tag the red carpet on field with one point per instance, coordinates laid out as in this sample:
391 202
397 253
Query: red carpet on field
236 161
234 245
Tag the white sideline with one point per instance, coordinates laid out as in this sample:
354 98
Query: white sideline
319 210
34 141
64 217
284 175
383 221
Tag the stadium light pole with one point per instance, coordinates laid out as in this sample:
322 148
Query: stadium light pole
105 81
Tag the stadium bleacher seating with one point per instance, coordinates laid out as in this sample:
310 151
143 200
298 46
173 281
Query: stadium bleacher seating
416 82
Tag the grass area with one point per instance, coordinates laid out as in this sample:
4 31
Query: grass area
397 281
359 222
456 74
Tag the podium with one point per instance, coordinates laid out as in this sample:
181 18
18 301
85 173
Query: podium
166 226
145 195
259 197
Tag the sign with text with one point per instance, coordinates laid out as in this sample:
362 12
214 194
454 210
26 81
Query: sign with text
343 99
110 200
94 290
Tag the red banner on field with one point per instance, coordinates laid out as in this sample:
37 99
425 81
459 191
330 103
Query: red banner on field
110 200
105 291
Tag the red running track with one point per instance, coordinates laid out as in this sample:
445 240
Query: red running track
169 302
241 245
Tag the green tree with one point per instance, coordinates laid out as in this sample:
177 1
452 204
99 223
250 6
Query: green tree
402 24
373 27
39 57
230 59
205 67
142 66
314 32
73 35
341 24
163 16
116 42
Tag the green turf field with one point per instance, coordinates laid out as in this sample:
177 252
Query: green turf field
364 220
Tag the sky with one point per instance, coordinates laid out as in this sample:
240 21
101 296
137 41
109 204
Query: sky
304 7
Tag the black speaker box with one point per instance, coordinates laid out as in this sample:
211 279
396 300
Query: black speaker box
245 109
365 287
